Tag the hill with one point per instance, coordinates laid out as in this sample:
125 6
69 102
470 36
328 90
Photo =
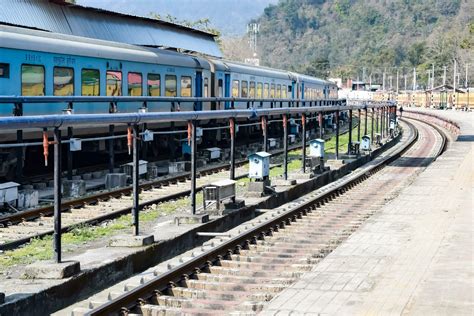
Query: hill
229 17
352 37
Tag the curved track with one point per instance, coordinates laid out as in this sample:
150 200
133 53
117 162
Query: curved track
262 257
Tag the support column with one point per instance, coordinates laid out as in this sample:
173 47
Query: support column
57 195
387 125
372 125
232 148
320 119
350 133
303 126
111 149
285 146
136 180
69 154
365 121
193 166
337 135
19 155
382 132
358 126
265 134
377 120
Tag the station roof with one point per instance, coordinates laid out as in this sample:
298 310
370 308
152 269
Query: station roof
443 88
59 16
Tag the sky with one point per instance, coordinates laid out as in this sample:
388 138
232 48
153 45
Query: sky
228 16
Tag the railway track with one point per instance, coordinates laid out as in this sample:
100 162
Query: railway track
19 228
237 274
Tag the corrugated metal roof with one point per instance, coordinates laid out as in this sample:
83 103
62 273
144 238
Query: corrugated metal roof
58 17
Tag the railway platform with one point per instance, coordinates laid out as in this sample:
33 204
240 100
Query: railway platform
413 257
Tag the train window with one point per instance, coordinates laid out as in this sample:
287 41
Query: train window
186 86
171 86
221 90
244 93
32 80
154 85
4 70
278 93
265 91
206 87
259 90
114 83
63 81
90 82
235 88
283 92
272 91
135 82
252 89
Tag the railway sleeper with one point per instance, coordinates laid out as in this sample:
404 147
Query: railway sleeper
269 278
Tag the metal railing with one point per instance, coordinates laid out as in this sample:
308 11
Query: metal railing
303 110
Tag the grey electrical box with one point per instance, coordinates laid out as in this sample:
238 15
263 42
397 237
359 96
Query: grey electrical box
365 143
316 148
259 165
8 192
75 144
148 136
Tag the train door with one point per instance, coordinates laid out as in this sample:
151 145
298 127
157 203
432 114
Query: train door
302 90
227 89
198 91
294 89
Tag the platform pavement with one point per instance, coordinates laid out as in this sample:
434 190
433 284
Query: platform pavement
413 257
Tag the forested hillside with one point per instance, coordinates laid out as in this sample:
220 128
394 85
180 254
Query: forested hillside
342 37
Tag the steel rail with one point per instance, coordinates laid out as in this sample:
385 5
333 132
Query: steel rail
29 215
127 301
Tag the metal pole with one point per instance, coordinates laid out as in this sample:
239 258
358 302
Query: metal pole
350 133
57 195
111 150
264 131
365 126
193 166
337 135
358 126
387 114
135 179
303 126
285 146
372 125
69 154
381 122
19 155
232 148
320 119
377 121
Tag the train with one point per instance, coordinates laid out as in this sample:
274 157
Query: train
39 63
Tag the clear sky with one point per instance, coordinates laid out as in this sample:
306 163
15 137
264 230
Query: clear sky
229 16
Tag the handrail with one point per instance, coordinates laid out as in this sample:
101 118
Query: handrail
140 117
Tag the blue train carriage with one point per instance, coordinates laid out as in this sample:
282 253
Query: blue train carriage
36 63
238 80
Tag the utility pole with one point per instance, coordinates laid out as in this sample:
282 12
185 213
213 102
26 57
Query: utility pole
444 75
405 77
383 80
429 79
414 78
397 80
433 76
466 82
454 82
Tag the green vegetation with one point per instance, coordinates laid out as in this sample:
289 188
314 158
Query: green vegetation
41 249
341 37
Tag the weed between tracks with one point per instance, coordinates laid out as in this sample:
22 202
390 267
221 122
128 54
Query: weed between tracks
81 235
